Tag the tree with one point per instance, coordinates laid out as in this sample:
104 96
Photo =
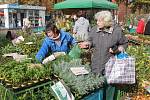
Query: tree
140 5
136 5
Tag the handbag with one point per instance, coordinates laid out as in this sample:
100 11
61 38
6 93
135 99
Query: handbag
120 69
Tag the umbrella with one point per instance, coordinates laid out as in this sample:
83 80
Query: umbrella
104 4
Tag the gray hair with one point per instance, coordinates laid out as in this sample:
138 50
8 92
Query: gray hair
106 16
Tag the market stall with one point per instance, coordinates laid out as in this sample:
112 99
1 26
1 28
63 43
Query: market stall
27 75
29 79
69 4
12 15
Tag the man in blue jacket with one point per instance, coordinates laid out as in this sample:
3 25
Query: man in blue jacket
55 41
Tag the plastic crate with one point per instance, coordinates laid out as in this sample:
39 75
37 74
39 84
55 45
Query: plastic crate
96 95
11 94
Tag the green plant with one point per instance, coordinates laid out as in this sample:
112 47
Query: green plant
29 49
142 68
9 48
79 85
142 61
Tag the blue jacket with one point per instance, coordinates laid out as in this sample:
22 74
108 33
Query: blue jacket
49 45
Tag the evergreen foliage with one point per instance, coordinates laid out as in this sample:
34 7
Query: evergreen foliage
79 85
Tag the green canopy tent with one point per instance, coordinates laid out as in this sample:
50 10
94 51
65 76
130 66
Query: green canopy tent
71 4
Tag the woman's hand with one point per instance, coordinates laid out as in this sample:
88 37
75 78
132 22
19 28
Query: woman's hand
110 50
48 59
119 49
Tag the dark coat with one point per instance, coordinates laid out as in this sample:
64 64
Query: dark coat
101 41
147 28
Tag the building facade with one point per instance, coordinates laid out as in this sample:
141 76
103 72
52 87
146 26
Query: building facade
12 15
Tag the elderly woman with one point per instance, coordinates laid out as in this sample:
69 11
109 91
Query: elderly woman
107 39
55 41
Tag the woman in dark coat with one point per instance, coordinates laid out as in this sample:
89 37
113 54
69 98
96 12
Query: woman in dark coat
147 28
105 38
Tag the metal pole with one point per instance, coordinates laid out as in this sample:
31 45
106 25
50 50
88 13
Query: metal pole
17 1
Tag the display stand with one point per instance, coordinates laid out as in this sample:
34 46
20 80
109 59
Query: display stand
12 94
